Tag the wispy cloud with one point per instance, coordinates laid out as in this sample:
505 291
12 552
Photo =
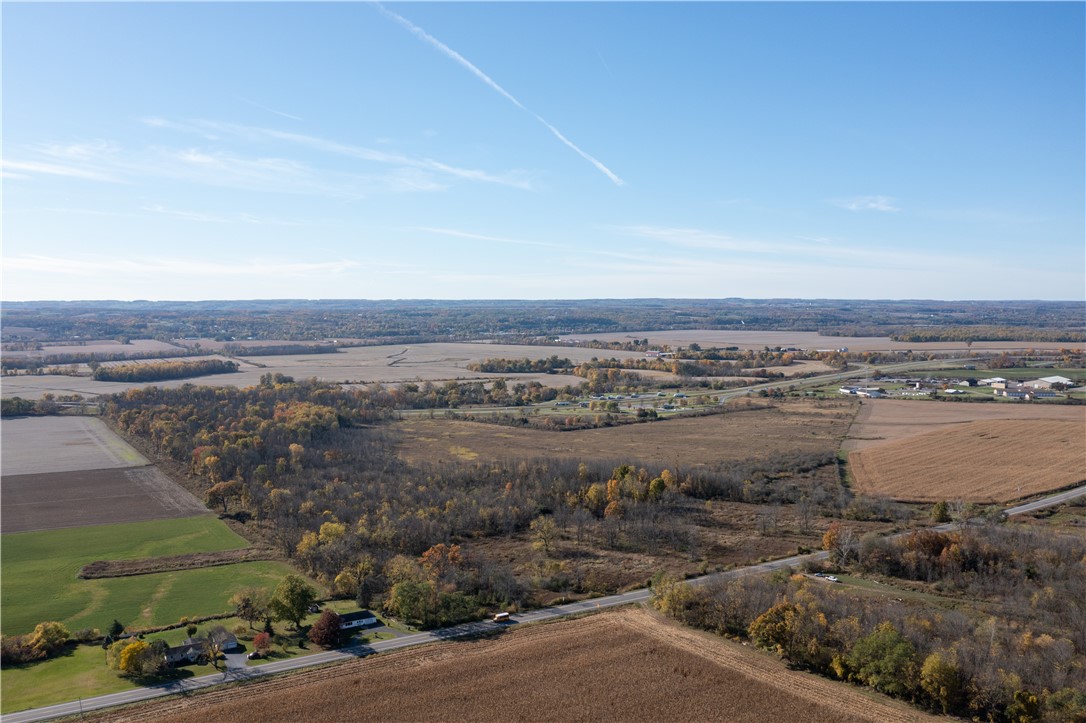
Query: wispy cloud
173 266
812 248
449 52
200 216
32 168
481 237
221 168
867 203
215 130
269 110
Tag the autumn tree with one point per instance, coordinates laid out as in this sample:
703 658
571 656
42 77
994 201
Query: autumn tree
262 642
777 630
841 543
940 512
357 581
326 631
941 680
136 658
885 660
222 493
47 638
292 599
251 604
545 532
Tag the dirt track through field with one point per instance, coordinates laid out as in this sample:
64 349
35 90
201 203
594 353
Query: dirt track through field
626 665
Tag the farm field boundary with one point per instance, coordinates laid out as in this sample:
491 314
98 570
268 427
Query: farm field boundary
987 461
887 420
172 563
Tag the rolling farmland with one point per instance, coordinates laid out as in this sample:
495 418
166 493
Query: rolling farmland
984 461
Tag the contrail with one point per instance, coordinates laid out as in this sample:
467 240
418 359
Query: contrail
486 79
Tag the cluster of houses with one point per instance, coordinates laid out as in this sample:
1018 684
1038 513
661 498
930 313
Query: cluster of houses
1043 388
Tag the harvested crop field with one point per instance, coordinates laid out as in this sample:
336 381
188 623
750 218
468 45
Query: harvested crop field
785 427
94 497
887 420
802 340
615 666
990 461
437 362
37 445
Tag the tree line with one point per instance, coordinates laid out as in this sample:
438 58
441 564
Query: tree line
1021 656
159 371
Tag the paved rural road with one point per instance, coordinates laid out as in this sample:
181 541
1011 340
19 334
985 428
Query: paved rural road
360 651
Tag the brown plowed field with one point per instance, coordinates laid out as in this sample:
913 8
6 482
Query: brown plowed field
790 426
888 420
93 497
989 461
617 666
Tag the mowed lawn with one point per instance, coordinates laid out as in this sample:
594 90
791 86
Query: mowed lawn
40 568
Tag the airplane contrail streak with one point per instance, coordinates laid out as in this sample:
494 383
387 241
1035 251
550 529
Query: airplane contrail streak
449 52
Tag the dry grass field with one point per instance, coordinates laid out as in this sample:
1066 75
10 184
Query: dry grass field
987 461
888 420
802 340
36 445
799 425
615 666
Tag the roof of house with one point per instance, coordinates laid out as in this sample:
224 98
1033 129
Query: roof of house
360 615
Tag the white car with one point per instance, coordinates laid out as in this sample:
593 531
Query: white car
832 578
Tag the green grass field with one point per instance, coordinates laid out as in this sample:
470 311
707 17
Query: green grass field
40 583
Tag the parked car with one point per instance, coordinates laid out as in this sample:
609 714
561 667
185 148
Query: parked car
255 655
831 578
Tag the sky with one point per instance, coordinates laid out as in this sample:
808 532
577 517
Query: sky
204 150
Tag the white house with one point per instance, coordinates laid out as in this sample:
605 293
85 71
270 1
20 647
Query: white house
360 619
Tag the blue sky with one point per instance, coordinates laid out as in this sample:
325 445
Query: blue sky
544 150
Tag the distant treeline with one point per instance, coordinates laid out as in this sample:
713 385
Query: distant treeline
49 360
551 365
278 349
988 333
158 371
423 320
